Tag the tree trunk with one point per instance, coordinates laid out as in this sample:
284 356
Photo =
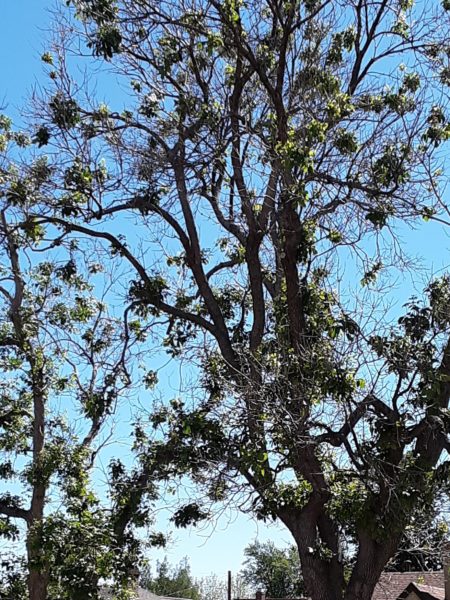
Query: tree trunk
37 575
323 576
37 585
370 563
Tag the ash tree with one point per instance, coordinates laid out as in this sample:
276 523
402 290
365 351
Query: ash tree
257 186
63 361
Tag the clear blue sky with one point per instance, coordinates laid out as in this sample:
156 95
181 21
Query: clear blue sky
25 25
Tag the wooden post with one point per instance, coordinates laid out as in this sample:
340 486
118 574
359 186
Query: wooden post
229 585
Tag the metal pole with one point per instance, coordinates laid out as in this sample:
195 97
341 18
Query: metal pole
229 585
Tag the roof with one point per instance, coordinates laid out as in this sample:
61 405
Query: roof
424 592
146 595
392 585
141 594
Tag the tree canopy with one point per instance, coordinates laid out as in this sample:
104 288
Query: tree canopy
171 581
276 571
254 193
65 368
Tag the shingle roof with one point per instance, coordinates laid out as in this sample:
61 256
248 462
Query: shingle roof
146 595
391 585
429 592
141 594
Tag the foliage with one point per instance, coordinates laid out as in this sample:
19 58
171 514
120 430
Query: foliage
213 587
171 581
63 357
422 547
276 571
268 127
13 583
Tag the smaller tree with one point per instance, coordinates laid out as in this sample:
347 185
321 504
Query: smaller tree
174 581
64 358
214 587
275 570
